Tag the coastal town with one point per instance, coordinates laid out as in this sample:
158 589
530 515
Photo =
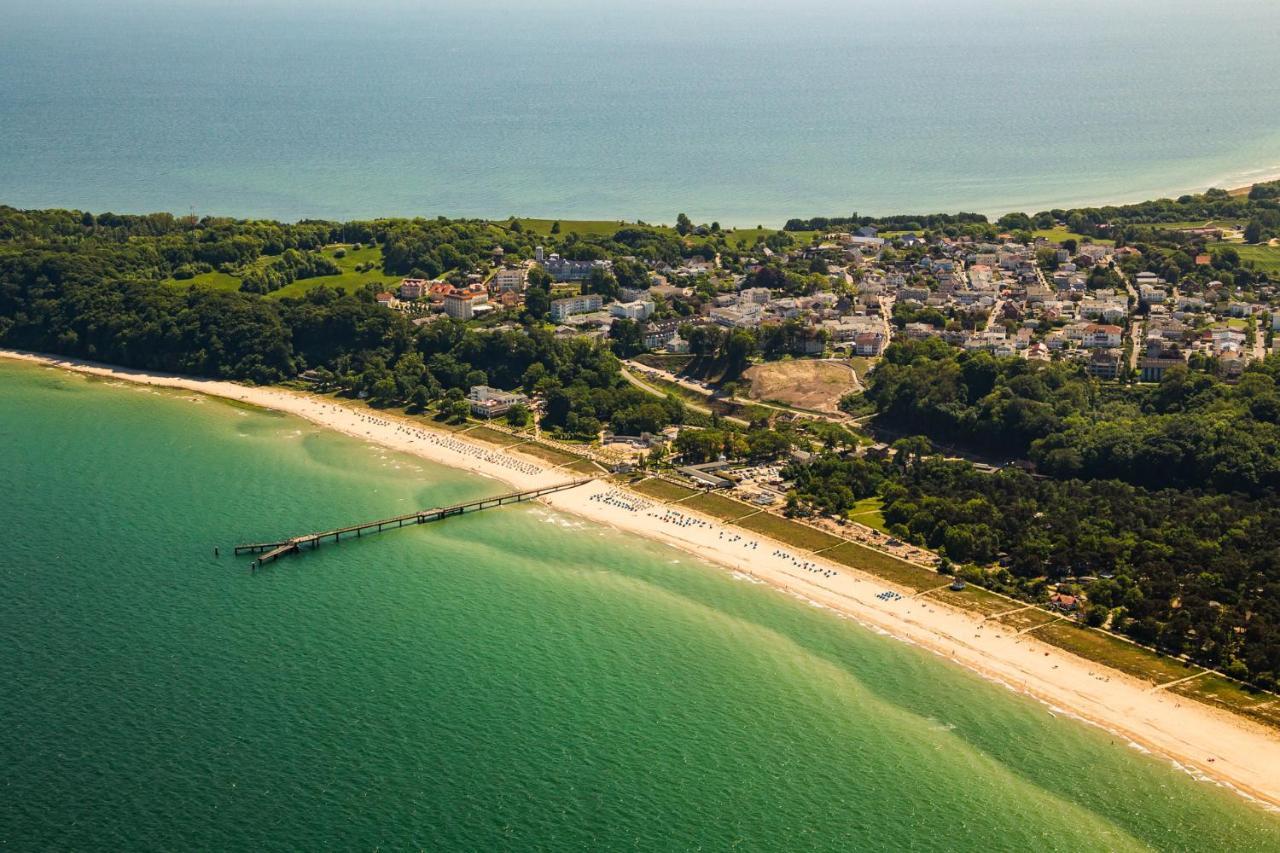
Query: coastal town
1049 432
586 426
1046 299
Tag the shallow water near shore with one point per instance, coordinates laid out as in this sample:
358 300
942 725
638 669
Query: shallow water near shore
513 679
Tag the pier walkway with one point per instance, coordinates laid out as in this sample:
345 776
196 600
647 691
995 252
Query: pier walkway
272 551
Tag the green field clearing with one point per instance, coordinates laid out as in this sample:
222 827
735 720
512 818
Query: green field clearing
214 280
1212 223
867 511
662 490
718 506
752 235
1057 235
789 532
862 366
1115 653
972 598
1213 689
883 565
1032 617
1265 258
348 279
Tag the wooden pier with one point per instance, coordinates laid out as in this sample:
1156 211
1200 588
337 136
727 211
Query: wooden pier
272 551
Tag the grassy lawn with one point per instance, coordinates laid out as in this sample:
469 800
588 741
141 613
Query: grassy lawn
492 436
1265 258
348 279
547 454
1115 653
662 489
1032 617
972 598
584 466
1215 690
883 565
1212 223
718 506
1059 234
751 235
789 532
867 511
862 366
215 280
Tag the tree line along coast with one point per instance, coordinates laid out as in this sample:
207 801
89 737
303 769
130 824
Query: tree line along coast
1077 408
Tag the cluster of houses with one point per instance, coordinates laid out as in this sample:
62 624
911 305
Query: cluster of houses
1004 296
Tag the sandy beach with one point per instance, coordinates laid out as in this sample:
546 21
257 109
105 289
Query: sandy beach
1210 743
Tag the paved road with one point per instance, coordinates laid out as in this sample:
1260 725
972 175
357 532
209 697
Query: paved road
1135 335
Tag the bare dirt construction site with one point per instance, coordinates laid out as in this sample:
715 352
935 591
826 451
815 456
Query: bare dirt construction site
802 383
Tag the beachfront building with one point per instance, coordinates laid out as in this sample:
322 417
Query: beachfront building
489 402
562 309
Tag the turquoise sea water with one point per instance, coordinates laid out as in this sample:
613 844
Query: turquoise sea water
515 679
741 111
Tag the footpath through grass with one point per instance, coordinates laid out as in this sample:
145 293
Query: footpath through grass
546 454
1213 689
493 436
789 532
1115 653
867 512
348 280
1030 617
883 565
971 598
662 490
718 506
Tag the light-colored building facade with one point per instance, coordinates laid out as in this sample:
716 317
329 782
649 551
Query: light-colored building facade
489 402
561 309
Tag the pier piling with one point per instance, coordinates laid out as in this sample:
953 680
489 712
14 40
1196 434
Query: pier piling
271 551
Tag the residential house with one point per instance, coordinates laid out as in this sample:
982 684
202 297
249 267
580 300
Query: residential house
1102 336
